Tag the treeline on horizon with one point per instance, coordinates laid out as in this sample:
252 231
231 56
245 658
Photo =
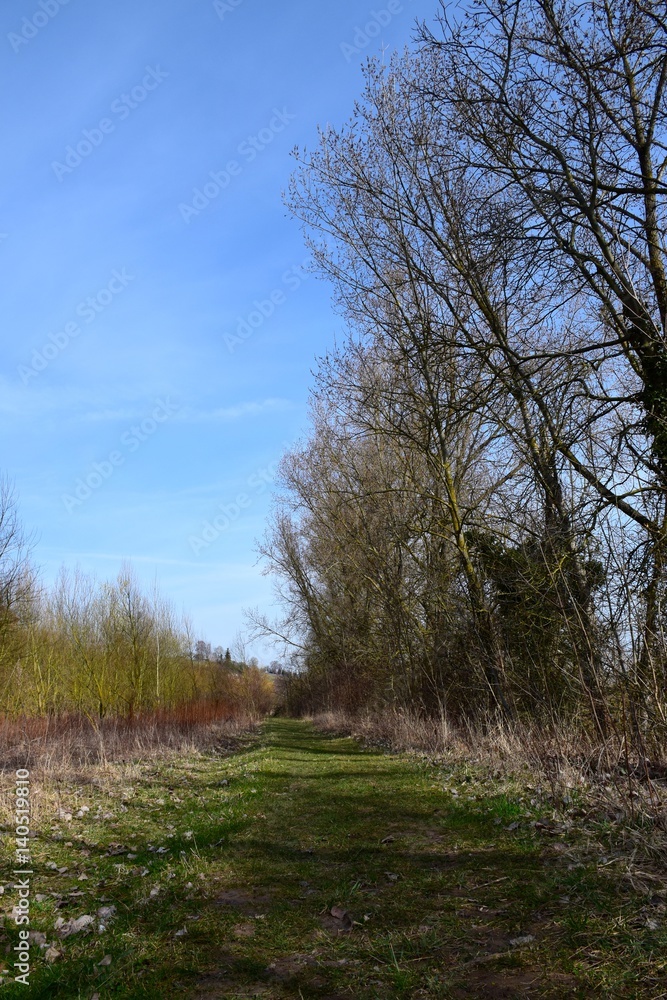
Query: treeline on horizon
107 650
477 522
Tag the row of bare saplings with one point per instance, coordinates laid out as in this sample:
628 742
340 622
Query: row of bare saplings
97 650
477 523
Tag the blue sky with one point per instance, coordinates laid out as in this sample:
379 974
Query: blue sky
157 342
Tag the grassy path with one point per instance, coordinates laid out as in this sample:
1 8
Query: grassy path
308 867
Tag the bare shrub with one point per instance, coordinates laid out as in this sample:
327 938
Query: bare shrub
70 752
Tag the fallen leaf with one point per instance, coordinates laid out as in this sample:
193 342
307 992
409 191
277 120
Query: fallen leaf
338 913
517 942
52 954
65 928
106 960
114 849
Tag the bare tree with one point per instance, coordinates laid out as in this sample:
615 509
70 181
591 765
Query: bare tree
17 582
565 104
492 308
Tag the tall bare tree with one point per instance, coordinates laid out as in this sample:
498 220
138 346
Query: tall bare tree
491 224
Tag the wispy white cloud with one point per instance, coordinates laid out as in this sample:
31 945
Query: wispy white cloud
83 404
228 414
73 401
101 416
232 568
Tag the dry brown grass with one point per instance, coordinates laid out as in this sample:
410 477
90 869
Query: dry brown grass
71 752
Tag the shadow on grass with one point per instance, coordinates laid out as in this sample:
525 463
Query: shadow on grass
274 873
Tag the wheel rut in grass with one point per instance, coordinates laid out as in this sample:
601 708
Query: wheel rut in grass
355 875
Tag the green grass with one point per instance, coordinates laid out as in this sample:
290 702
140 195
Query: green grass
434 883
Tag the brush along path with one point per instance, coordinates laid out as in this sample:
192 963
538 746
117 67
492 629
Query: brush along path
306 866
